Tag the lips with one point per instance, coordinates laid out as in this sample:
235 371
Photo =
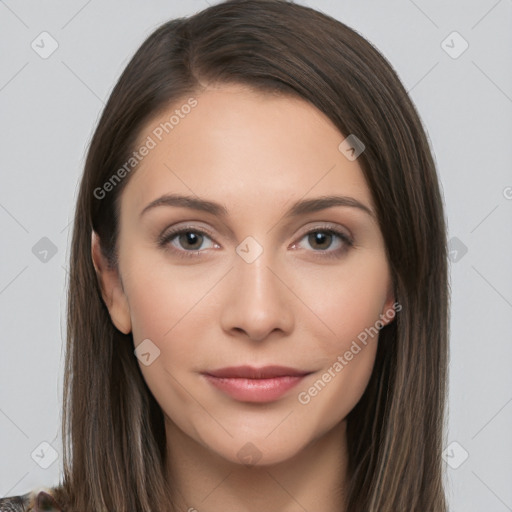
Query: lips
249 384
249 372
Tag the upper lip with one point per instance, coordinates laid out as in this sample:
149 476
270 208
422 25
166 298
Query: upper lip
250 372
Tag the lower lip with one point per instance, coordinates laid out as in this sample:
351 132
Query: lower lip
255 390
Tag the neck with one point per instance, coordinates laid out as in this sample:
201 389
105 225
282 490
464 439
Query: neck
203 481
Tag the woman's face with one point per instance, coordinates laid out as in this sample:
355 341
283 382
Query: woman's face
259 279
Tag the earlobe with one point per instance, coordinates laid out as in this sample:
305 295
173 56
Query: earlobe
111 287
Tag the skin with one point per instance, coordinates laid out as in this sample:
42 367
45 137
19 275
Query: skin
294 305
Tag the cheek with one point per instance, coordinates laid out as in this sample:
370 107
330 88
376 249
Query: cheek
338 388
350 303
171 308
160 298
161 309
345 301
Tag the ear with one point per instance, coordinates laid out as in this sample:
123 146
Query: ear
388 310
111 287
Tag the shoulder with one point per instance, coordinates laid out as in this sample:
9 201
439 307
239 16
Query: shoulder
36 500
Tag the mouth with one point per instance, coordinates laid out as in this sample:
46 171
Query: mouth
249 384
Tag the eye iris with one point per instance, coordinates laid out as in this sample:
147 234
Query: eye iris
190 237
320 237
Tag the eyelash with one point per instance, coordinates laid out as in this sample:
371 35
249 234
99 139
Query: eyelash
164 239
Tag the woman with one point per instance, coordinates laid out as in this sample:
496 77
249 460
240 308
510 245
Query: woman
256 370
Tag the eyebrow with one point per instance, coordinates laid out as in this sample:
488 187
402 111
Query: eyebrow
300 207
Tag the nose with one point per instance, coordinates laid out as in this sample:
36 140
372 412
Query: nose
258 300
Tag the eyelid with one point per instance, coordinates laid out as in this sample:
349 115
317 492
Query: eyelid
190 225
178 229
326 226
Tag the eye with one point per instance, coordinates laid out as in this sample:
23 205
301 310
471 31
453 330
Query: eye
184 241
322 239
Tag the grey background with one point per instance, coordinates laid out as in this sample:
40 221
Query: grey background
49 108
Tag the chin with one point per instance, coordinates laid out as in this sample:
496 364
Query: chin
257 452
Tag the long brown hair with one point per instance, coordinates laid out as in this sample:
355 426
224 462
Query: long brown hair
113 429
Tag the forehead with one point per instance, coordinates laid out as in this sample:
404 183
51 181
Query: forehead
243 146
